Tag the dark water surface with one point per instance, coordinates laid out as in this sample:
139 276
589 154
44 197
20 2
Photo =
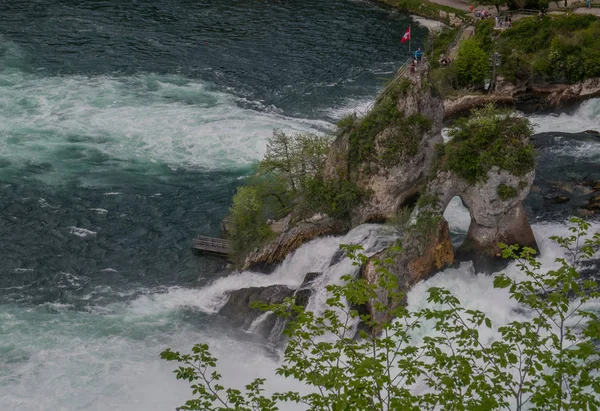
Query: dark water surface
125 126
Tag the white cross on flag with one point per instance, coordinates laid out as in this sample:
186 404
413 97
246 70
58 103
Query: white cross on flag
406 36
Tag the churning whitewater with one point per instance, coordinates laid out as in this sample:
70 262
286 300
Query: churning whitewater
124 132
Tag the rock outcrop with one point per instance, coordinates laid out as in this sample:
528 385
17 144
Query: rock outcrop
239 310
493 219
291 237
239 306
391 186
527 97
427 250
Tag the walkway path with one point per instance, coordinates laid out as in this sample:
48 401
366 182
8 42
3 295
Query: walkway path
465 6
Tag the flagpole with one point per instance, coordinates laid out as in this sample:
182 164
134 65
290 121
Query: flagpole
409 38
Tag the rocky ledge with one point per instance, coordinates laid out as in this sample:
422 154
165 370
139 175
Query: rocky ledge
525 97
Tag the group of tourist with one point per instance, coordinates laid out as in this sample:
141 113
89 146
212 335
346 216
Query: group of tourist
503 21
480 14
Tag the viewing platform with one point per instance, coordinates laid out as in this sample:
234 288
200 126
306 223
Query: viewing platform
212 245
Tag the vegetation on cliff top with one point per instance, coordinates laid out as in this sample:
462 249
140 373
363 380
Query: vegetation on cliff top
546 358
403 133
489 137
555 48
563 48
287 179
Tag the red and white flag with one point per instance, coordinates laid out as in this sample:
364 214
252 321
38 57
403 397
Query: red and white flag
406 36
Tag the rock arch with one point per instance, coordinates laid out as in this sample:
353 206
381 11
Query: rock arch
495 207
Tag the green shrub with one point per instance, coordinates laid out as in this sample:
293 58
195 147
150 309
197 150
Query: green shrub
561 48
346 123
471 64
489 137
404 133
441 42
485 34
335 198
403 140
506 192
249 226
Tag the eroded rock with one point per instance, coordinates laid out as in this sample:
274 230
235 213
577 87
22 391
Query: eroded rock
426 251
292 237
391 186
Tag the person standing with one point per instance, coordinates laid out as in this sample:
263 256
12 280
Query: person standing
418 55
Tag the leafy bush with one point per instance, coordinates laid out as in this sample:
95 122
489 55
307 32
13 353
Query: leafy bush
546 362
471 64
346 123
489 137
506 192
560 48
441 41
404 139
485 34
278 182
296 157
335 198
248 220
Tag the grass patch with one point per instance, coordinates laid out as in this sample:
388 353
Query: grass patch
506 192
489 137
404 133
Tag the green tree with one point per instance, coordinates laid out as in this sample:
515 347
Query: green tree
297 157
548 362
276 184
471 64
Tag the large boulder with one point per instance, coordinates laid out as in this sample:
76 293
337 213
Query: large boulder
390 186
427 249
239 305
239 310
290 238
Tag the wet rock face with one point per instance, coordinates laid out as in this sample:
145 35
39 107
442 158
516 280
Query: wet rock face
238 308
494 218
290 239
424 254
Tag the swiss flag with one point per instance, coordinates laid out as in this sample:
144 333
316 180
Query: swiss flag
406 36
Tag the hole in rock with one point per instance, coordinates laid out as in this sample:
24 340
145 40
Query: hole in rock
459 219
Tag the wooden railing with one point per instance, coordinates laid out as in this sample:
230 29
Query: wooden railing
211 245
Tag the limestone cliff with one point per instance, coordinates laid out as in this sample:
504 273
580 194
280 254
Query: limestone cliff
493 219
391 185
426 250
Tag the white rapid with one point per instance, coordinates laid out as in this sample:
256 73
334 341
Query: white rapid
158 118
585 117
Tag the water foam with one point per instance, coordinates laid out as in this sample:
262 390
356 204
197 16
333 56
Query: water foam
585 117
314 256
81 232
113 356
119 120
